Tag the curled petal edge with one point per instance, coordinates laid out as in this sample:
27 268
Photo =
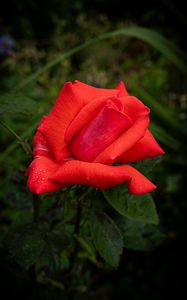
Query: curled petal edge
102 176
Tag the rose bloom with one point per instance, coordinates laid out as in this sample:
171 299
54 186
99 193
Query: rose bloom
89 138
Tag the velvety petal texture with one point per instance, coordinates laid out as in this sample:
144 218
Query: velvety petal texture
99 133
71 100
146 147
89 130
126 141
86 114
102 176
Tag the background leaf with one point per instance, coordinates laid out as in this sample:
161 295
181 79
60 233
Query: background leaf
49 259
149 36
162 111
16 105
139 236
17 194
159 42
107 238
25 243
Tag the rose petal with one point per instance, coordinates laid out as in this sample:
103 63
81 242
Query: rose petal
146 147
70 101
86 114
40 146
38 174
139 183
91 174
121 87
93 138
138 113
89 93
101 176
134 108
126 141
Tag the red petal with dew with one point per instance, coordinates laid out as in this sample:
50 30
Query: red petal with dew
38 174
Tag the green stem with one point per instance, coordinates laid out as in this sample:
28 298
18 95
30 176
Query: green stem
54 283
11 131
12 146
26 147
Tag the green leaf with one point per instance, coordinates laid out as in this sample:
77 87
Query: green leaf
34 243
136 207
139 236
16 104
49 258
56 242
147 165
25 243
59 238
86 245
107 238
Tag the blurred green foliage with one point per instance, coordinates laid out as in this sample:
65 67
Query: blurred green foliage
149 75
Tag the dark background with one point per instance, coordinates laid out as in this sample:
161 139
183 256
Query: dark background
142 275
25 19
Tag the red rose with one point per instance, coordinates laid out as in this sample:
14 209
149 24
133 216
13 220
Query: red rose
88 131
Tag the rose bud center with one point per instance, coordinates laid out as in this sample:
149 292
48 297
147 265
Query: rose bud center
109 123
